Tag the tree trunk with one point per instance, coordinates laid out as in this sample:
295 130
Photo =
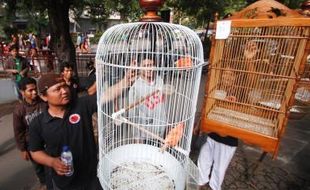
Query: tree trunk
11 9
207 42
61 42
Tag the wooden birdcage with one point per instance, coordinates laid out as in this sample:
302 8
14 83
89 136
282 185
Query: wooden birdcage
253 73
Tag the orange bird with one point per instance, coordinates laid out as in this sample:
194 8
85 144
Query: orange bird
184 62
173 137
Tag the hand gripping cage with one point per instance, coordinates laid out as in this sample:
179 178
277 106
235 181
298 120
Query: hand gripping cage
253 73
148 76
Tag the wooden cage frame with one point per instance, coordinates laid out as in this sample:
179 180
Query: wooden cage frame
268 143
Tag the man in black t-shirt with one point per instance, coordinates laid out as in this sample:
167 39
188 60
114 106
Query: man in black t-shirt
91 78
68 123
72 82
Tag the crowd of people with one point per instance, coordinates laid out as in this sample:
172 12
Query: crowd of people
37 50
38 55
83 43
25 42
51 114
46 102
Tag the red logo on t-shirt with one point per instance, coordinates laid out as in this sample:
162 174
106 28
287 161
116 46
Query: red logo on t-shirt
74 118
152 101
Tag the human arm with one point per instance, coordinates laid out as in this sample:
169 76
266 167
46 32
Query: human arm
92 89
24 72
131 99
25 155
25 67
114 91
37 146
20 133
12 71
8 67
15 71
54 162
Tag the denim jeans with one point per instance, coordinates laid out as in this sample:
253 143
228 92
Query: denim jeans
16 91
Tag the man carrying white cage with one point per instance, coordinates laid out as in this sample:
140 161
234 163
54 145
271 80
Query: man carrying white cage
151 113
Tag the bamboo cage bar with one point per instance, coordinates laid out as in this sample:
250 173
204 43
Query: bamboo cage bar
281 37
262 22
253 77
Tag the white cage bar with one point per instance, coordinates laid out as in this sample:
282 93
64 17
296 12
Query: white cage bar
151 73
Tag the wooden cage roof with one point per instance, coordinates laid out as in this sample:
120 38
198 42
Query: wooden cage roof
263 9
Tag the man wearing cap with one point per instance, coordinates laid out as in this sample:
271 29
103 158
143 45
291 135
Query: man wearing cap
69 123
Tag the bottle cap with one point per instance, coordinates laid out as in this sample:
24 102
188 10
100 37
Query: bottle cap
65 148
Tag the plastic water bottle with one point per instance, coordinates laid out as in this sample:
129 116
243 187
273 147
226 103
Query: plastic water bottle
67 159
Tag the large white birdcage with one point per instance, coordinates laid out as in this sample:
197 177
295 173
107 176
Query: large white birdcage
148 76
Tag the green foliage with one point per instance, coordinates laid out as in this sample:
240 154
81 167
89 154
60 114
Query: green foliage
192 13
293 4
96 9
202 11
8 31
96 38
128 9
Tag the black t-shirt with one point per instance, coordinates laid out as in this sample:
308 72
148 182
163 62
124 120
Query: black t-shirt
228 140
74 88
75 129
90 79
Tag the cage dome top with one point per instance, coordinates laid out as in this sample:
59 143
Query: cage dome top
169 45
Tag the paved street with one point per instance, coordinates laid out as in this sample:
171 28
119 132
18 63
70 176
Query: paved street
15 173
290 171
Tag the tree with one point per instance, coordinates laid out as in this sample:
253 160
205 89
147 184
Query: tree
293 4
61 42
128 9
203 11
8 17
58 18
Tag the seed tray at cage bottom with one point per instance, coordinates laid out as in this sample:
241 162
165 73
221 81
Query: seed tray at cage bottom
140 167
154 177
242 120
